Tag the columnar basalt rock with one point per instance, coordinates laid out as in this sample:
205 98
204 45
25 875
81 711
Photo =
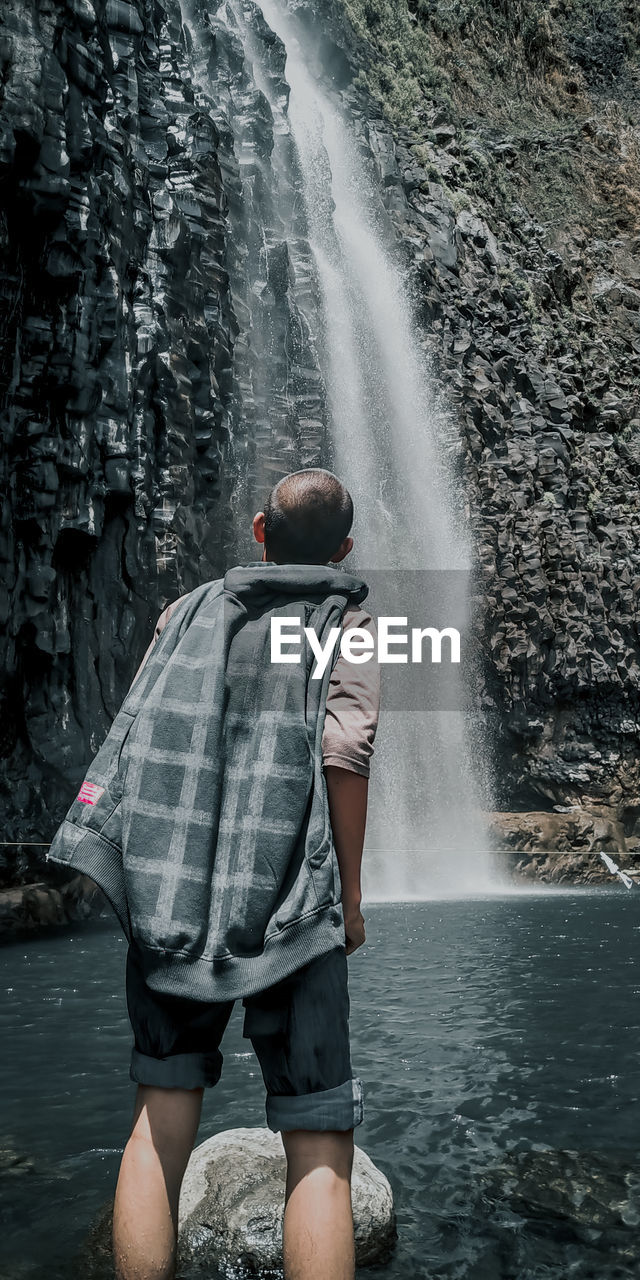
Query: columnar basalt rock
117 336
132 406
239 68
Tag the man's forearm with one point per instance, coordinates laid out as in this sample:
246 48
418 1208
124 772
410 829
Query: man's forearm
347 793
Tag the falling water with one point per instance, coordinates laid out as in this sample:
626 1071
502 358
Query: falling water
425 837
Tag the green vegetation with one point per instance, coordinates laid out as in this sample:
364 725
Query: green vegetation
445 49
402 70
521 78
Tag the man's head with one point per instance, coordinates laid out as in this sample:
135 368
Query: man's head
306 519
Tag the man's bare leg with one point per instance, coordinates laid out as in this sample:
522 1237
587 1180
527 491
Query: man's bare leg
145 1212
318 1239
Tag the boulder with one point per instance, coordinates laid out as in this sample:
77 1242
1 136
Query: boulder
563 846
231 1207
232 1202
30 908
592 1197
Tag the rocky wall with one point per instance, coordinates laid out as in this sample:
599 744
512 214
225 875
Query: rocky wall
116 337
507 142
136 318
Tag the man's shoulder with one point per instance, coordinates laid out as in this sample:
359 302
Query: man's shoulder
211 588
170 608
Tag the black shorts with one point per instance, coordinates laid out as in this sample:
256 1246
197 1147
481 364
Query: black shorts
299 1029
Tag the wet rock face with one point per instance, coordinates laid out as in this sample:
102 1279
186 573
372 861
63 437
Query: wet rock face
117 331
277 387
131 408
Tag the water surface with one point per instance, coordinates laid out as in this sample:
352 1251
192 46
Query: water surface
488 1032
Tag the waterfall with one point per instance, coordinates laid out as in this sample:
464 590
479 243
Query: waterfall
425 837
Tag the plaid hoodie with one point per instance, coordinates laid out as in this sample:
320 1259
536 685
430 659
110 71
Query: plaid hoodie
204 815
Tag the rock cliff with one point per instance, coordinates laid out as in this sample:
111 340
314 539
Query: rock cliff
160 368
138 252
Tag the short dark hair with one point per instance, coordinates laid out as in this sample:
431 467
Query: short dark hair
307 516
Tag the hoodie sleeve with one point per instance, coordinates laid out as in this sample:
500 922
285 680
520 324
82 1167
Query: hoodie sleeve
353 704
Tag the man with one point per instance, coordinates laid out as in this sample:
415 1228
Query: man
271 797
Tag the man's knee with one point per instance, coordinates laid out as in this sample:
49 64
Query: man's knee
166 1114
145 1152
165 1123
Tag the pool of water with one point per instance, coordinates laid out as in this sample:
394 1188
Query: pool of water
492 1035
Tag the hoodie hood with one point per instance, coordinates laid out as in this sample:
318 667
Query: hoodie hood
263 579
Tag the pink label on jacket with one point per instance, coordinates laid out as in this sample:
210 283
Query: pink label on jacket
90 792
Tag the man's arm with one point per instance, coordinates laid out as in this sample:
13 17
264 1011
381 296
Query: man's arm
347 746
347 794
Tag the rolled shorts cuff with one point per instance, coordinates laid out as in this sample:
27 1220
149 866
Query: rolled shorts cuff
177 1070
339 1108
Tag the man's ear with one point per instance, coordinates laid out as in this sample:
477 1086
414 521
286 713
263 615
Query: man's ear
258 526
258 530
343 550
